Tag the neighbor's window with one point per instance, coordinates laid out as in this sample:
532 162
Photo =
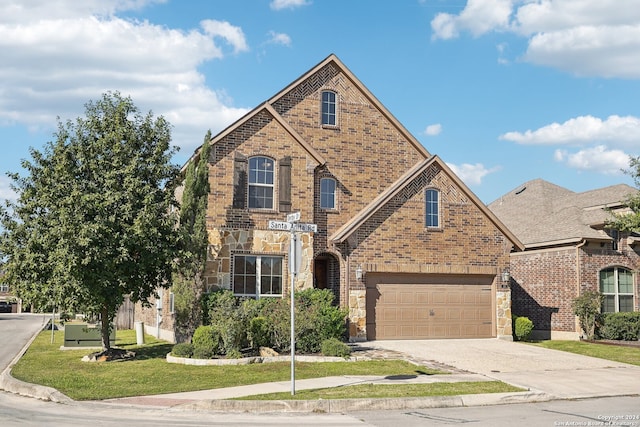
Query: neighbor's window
432 204
4 288
260 183
257 276
328 193
172 303
616 284
328 108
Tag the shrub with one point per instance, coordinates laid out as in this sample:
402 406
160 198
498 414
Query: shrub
182 350
317 319
620 326
206 337
587 308
335 347
258 333
202 353
523 327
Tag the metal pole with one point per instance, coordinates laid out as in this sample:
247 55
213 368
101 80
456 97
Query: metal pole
293 272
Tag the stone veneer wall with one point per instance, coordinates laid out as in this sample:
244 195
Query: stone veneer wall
504 329
225 243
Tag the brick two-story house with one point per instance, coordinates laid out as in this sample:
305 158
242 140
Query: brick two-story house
401 240
568 250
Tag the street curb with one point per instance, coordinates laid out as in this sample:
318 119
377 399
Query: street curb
353 405
12 385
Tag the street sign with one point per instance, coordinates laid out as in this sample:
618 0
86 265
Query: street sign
293 217
305 227
287 226
295 254
279 225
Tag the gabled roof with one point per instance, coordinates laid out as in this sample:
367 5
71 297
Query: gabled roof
333 59
278 118
544 214
350 227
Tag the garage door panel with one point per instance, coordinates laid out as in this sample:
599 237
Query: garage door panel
430 310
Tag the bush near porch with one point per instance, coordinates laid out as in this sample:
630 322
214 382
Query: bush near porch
235 327
619 326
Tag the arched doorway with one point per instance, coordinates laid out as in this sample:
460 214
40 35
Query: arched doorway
326 274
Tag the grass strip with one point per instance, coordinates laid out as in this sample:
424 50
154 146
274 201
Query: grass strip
616 353
391 391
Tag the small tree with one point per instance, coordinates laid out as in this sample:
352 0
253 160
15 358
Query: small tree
630 221
587 308
188 282
91 223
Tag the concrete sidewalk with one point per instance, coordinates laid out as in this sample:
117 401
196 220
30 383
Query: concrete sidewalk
216 400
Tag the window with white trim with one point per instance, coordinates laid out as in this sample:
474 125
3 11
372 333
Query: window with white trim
616 284
257 276
261 182
327 193
4 287
432 208
172 303
328 108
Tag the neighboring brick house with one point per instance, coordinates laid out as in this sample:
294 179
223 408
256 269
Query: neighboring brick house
568 251
401 241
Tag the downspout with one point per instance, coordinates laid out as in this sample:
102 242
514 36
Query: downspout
578 276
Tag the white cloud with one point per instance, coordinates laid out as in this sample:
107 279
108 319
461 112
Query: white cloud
597 159
59 61
471 174
433 130
279 38
288 4
230 33
587 37
478 17
621 131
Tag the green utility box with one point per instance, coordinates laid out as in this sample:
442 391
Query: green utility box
83 335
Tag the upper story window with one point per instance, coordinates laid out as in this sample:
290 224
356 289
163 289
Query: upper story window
432 208
328 108
4 287
328 193
616 284
257 276
615 236
261 183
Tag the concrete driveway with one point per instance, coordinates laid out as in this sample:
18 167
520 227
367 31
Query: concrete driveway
560 374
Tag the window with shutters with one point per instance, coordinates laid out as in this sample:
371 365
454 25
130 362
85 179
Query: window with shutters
261 182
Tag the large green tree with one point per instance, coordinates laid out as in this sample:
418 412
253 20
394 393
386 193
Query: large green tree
92 222
188 284
630 221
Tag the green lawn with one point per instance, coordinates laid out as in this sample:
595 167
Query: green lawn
150 374
616 353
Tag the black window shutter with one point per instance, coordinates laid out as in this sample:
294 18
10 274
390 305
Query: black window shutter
284 184
239 181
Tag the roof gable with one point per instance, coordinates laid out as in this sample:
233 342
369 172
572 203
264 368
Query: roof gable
333 60
350 227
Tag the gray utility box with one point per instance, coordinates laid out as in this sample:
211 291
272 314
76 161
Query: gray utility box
83 335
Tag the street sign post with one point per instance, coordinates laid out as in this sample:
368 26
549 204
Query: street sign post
295 259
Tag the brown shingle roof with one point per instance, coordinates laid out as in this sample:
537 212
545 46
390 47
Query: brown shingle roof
540 213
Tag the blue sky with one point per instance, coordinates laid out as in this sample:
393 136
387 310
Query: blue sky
504 91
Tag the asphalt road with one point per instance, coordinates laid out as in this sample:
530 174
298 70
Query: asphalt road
15 331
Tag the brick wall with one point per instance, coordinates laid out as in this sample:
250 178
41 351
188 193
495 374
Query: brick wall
545 282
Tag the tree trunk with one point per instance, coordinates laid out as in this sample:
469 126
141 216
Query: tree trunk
105 328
